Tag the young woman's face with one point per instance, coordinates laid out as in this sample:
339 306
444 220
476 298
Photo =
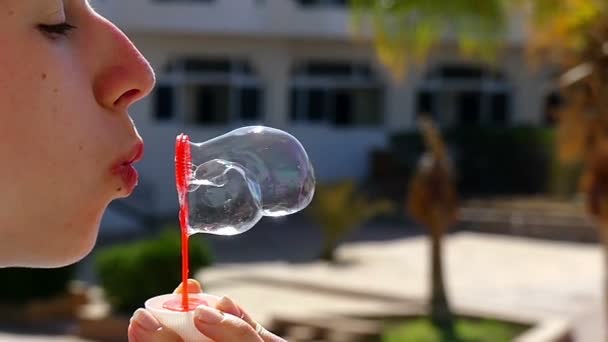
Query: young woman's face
67 79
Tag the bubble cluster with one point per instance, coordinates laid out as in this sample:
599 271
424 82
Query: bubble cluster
241 176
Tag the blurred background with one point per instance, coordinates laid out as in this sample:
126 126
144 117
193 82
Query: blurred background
461 163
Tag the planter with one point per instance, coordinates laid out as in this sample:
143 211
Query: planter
61 308
97 322
369 328
112 328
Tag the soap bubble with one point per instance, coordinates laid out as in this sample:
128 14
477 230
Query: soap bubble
241 176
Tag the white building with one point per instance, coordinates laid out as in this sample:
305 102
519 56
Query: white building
293 64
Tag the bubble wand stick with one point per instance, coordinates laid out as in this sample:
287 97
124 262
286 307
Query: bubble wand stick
183 174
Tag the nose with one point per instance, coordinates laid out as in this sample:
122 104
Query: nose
124 75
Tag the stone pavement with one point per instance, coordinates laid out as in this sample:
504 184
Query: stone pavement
514 276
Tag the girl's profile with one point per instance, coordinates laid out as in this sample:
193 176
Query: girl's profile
68 77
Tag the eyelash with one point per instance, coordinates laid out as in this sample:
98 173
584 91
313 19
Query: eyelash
61 29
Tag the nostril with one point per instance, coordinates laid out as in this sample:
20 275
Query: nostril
128 97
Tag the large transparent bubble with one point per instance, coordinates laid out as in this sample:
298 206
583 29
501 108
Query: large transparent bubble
241 176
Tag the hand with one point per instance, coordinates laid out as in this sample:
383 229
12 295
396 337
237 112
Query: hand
227 322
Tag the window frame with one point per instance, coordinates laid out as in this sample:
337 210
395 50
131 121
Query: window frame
240 76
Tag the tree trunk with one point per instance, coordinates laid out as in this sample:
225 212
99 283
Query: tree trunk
328 251
603 234
605 294
441 315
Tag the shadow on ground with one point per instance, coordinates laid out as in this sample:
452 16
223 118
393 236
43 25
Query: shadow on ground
295 240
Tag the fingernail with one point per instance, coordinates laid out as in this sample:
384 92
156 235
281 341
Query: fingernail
225 301
208 315
194 286
145 320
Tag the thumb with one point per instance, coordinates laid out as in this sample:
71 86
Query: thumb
222 327
144 327
226 305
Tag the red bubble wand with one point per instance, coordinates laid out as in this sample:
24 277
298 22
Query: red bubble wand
183 174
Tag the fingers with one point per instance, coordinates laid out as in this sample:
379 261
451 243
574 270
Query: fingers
226 305
143 327
267 336
192 286
221 327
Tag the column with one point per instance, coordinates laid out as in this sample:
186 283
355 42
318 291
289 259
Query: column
400 101
273 68
527 92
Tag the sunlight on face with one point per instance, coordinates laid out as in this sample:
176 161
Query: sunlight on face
65 87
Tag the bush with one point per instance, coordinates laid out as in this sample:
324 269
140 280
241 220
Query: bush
131 273
21 285
495 161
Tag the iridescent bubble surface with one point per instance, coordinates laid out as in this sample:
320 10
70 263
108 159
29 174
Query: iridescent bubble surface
246 174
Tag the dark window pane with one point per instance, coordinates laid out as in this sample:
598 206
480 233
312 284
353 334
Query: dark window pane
424 103
316 105
211 104
329 69
461 72
364 70
294 104
468 108
308 2
205 104
355 103
500 109
342 108
250 104
207 65
163 106
244 68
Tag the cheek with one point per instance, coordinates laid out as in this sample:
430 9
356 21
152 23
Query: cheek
52 130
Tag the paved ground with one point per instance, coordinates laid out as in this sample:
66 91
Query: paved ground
515 276
531 278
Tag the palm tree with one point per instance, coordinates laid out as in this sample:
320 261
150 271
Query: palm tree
432 201
339 209
405 32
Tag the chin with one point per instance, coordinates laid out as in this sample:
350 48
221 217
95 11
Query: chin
71 253
70 250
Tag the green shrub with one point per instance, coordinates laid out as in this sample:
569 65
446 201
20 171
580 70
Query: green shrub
133 272
20 285
494 161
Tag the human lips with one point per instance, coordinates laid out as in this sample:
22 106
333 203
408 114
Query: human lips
137 152
124 167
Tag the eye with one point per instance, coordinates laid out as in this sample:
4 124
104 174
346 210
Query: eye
56 30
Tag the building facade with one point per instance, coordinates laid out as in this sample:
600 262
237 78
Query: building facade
294 65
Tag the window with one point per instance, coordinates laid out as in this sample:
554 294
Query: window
465 95
341 94
164 102
208 91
